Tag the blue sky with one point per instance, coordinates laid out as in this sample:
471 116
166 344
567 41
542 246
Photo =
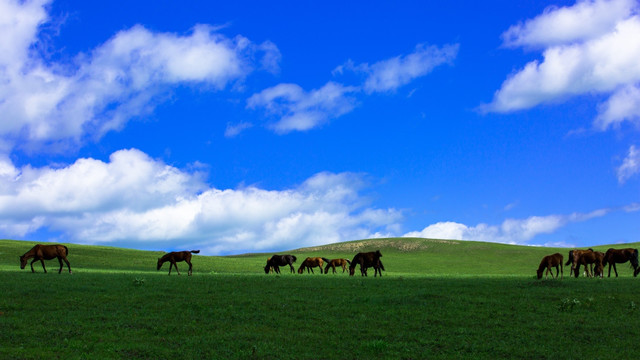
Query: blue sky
240 126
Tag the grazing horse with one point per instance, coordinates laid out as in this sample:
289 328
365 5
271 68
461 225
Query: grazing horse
620 256
337 263
177 256
367 260
275 261
550 261
581 257
46 252
588 257
311 262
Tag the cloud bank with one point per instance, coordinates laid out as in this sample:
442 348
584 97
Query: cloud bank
511 231
141 201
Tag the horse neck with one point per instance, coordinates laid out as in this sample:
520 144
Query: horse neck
30 254
165 258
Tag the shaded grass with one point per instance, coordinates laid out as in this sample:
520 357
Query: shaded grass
97 315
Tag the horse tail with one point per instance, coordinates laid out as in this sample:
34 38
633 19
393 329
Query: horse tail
349 261
634 259
294 258
570 258
66 252
195 251
326 260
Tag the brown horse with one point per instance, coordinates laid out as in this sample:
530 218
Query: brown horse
311 262
550 261
590 258
583 257
337 263
46 252
275 261
177 256
367 260
620 256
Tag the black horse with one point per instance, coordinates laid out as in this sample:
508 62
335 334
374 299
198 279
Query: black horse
367 260
276 261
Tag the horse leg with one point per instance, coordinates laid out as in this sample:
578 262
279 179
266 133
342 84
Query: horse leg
615 269
60 261
32 270
292 269
42 262
190 268
67 262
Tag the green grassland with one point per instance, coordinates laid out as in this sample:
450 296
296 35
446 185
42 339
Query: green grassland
437 300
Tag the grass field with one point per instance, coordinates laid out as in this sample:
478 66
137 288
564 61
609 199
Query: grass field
436 300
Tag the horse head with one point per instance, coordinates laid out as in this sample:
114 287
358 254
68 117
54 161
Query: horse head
159 263
266 269
539 272
23 261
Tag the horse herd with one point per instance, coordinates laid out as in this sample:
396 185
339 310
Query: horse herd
589 258
364 259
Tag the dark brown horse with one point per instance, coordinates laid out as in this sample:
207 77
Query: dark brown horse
583 257
334 263
589 259
619 256
275 261
549 262
46 252
367 260
311 262
177 256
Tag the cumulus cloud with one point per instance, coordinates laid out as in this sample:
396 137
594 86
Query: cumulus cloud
511 231
296 109
143 201
120 79
600 58
630 165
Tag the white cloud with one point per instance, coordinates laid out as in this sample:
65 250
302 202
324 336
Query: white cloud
511 231
298 110
125 77
557 26
136 200
390 74
577 59
630 165
623 105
